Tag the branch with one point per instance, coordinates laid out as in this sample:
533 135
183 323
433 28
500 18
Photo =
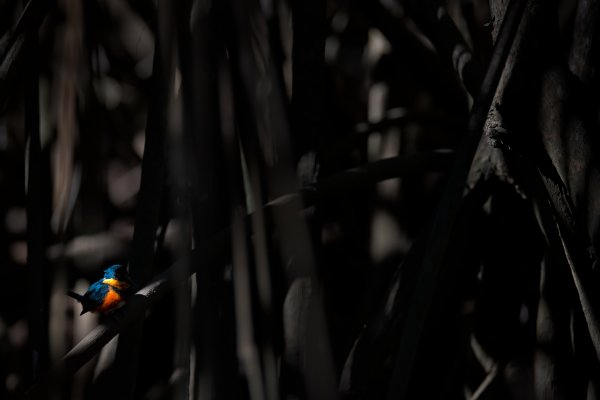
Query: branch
395 117
217 250
341 183
433 18
404 41
141 262
214 251
200 49
565 241
485 384
29 21
266 138
448 210
400 315
558 221
552 153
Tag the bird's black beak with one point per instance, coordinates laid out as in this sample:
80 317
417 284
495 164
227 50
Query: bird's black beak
83 312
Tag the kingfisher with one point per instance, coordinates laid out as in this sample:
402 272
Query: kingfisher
108 293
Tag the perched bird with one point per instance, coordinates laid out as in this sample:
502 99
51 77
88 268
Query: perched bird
108 293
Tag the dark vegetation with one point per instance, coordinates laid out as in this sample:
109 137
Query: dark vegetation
316 199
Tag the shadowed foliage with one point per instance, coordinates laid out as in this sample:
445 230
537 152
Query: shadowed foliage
314 199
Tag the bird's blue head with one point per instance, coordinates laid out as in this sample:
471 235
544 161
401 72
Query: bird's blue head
118 272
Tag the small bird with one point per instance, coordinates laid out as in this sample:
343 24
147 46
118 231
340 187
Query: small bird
108 293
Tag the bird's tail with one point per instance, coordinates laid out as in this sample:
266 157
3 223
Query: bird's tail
76 296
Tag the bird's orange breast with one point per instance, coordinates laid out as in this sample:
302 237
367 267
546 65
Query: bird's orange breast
111 300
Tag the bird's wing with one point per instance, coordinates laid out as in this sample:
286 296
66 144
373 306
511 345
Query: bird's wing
94 297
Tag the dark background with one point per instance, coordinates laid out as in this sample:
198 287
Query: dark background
358 199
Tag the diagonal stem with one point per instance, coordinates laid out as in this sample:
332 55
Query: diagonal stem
448 210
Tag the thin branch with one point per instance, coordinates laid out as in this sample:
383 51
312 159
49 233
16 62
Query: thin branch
497 12
395 117
32 16
587 296
216 250
246 344
8 69
401 116
404 41
563 174
341 183
248 354
268 139
200 49
565 249
485 384
433 17
448 210
580 262
147 217
29 20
